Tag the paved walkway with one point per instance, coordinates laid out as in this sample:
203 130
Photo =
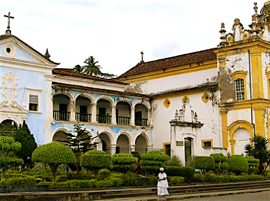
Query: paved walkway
190 197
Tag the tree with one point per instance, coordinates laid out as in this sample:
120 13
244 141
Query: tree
79 143
27 140
55 154
78 69
260 151
92 68
8 150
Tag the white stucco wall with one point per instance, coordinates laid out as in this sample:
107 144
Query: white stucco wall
178 81
207 114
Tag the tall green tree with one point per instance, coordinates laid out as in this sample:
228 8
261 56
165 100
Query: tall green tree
260 151
79 143
91 67
27 140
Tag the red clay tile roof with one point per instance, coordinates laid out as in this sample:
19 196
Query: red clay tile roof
91 89
2 37
70 72
211 86
170 62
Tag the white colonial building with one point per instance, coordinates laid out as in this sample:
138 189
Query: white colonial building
209 101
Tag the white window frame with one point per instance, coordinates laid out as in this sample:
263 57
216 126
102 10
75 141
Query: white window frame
239 89
35 92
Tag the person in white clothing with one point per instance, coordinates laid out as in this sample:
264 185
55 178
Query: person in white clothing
162 185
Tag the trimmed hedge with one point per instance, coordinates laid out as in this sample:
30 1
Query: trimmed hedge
186 172
131 179
95 160
204 163
176 180
28 180
124 162
238 164
152 161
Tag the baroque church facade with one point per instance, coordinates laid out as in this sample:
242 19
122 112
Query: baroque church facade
209 101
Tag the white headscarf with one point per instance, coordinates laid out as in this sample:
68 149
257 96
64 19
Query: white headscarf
161 169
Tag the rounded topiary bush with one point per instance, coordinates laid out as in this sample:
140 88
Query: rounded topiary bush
204 163
152 161
124 162
103 174
95 160
55 154
238 164
186 172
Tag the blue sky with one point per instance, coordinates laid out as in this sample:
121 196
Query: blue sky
116 31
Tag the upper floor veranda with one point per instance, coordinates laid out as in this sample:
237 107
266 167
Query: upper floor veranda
91 106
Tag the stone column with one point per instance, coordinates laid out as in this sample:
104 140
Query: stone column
112 149
149 117
94 113
232 143
72 110
114 114
132 116
132 147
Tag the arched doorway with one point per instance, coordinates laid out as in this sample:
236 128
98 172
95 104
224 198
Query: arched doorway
141 145
8 128
122 144
105 142
241 137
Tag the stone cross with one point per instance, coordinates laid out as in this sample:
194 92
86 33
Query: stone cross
8 31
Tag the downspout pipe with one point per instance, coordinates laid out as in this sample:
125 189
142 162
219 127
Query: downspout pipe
250 93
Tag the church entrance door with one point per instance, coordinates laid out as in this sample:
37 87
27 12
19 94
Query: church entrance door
188 148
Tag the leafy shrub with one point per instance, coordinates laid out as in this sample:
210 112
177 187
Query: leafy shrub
238 164
190 161
61 178
152 180
28 180
81 176
109 183
219 160
54 154
137 155
103 174
152 161
175 161
8 149
95 160
253 164
224 166
186 172
204 163
176 180
131 179
124 162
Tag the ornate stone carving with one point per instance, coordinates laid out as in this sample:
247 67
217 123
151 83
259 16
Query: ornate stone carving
9 89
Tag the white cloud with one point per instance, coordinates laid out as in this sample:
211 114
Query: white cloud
115 32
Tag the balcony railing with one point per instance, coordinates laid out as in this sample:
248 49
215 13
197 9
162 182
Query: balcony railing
106 119
123 120
61 116
141 122
83 117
